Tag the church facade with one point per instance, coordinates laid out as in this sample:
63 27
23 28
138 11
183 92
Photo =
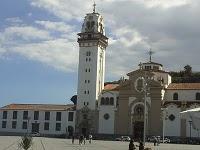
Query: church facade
147 96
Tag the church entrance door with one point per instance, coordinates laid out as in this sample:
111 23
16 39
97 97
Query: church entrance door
138 130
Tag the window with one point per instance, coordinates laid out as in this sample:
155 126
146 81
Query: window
107 101
197 96
88 92
5 114
36 115
88 81
85 81
85 70
46 126
85 92
4 124
89 70
70 116
14 114
89 59
58 116
171 117
147 67
86 59
102 101
111 101
25 115
106 116
87 103
24 125
47 115
58 126
175 96
14 124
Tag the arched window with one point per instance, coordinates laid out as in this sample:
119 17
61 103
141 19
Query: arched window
102 101
175 96
107 101
111 101
197 96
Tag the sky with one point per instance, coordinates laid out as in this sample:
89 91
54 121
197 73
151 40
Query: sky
39 49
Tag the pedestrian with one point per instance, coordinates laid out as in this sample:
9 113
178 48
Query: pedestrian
154 141
90 138
141 146
131 145
84 140
72 139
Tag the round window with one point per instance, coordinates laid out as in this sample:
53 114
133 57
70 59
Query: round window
171 117
106 116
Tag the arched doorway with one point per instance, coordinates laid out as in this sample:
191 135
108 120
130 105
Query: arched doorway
138 121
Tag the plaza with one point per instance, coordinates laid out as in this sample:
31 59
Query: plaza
41 143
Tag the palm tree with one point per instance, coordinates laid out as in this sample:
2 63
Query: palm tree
26 142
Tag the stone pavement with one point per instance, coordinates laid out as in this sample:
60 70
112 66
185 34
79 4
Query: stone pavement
40 143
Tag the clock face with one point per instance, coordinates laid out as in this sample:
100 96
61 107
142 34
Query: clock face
139 82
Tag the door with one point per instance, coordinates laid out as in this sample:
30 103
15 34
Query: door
138 130
35 127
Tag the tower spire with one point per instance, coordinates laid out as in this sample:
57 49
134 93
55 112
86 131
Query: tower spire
94 7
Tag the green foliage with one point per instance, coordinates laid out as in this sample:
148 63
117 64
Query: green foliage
185 76
26 142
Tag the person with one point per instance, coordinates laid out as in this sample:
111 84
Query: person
141 146
72 139
154 141
84 139
90 138
131 145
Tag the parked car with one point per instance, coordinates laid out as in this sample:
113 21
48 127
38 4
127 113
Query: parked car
123 138
35 134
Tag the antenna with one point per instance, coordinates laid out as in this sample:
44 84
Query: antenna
94 7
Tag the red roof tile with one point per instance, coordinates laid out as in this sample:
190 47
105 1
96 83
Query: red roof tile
184 86
111 87
50 107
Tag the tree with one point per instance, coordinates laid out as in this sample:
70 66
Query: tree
188 70
26 142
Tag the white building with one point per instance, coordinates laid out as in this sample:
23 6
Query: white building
45 119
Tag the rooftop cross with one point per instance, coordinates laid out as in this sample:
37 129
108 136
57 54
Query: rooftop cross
150 54
94 7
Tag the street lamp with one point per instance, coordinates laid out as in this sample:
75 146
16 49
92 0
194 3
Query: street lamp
190 123
145 101
164 117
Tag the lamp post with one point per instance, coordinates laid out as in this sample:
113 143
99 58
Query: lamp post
145 100
190 123
164 117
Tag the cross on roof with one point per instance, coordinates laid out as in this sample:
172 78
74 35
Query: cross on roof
94 7
150 54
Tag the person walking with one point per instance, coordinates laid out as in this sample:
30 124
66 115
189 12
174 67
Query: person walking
90 138
131 145
72 139
141 146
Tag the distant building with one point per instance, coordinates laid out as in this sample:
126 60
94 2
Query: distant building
45 119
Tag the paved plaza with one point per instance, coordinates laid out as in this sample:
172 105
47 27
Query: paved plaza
40 143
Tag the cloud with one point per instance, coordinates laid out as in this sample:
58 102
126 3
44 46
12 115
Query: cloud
170 28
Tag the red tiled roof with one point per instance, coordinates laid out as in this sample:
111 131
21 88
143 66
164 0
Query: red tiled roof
184 86
111 87
50 107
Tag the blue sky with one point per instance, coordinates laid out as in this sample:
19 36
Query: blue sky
39 52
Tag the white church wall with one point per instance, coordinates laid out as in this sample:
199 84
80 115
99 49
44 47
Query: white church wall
172 128
183 95
106 125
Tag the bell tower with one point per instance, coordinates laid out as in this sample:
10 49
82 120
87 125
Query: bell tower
92 46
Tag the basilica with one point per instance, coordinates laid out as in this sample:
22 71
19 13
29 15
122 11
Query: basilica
147 97
146 100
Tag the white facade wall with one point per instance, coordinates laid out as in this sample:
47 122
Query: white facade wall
107 126
173 128
52 122
183 95
95 76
